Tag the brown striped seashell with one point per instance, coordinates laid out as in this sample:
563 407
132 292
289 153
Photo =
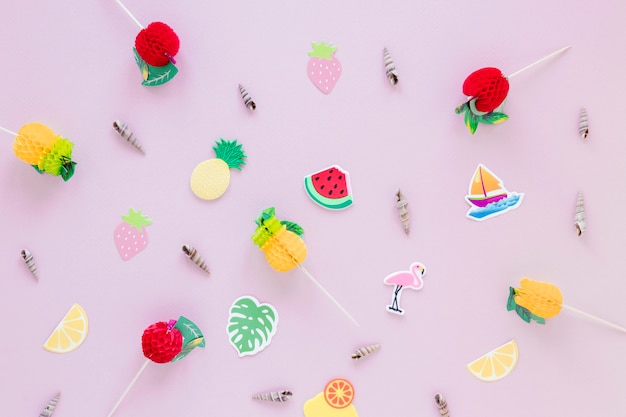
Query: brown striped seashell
390 67
403 210
247 100
47 411
442 404
364 351
30 262
274 396
122 129
583 124
579 218
193 255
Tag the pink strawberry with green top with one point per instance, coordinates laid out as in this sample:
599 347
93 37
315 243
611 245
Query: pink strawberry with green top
130 236
323 69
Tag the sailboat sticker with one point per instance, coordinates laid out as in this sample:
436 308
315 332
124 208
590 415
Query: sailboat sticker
488 197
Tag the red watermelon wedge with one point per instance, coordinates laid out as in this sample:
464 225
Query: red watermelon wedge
330 188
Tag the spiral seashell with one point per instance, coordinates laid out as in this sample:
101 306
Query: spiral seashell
390 68
403 210
583 124
247 100
47 411
192 254
274 396
364 351
122 129
442 404
579 218
30 262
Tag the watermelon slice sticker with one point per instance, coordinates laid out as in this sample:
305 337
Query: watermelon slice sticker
330 188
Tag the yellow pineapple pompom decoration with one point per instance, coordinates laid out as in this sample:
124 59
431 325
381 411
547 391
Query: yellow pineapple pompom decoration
280 240
37 145
535 300
210 178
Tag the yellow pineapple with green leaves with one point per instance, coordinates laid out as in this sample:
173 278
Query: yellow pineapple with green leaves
210 178
280 241
37 145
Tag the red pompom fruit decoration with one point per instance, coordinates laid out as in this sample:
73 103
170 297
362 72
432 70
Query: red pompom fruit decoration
161 342
157 44
488 86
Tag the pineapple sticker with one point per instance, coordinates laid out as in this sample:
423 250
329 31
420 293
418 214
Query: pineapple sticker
47 152
280 241
210 178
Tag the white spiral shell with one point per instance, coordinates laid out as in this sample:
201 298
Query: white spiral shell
403 210
30 262
195 257
122 129
579 218
247 100
390 67
442 405
47 411
583 124
364 351
274 396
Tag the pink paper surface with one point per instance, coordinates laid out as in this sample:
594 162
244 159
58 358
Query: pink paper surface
71 67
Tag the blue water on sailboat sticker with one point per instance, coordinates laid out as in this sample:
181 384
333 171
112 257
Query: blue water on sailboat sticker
487 196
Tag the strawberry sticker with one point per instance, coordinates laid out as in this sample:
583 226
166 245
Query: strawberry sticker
323 69
130 236
486 90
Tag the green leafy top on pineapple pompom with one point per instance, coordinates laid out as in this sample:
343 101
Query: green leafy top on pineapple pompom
322 51
230 152
136 219
58 161
268 224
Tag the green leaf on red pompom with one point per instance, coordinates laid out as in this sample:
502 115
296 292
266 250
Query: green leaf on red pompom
471 121
461 108
192 337
154 76
494 118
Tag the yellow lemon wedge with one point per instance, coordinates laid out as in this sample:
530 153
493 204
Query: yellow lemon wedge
496 364
70 333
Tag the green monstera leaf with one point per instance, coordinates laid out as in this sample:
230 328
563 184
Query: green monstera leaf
251 325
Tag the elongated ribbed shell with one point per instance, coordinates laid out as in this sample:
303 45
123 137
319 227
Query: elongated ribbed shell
442 405
122 129
583 124
247 100
364 351
47 411
390 67
193 255
274 396
403 210
579 218
30 262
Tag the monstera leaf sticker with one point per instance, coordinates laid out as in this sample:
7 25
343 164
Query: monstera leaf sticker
251 325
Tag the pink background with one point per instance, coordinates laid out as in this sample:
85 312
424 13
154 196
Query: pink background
69 65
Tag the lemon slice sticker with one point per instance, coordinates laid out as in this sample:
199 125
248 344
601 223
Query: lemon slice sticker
70 333
496 364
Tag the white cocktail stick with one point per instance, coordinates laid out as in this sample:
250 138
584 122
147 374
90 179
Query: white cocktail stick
539 61
598 319
10 132
129 14
137 375
330 297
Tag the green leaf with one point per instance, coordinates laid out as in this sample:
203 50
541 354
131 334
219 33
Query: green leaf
192 337
67 170
524 313
461 108
471 121
266 214
230 152
251 325
155 75
322 51
136 219
37 169
538 319
293 227
494 118
510 304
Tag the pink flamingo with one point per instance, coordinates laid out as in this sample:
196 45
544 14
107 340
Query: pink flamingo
411 279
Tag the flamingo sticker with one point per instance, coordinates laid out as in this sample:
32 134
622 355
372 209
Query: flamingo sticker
401 279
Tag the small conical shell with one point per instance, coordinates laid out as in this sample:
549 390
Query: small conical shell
442 405
403 210
390 67
247 100
583 124
192 254
274 396
122 129
579 218
47 411
364 351
30 262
